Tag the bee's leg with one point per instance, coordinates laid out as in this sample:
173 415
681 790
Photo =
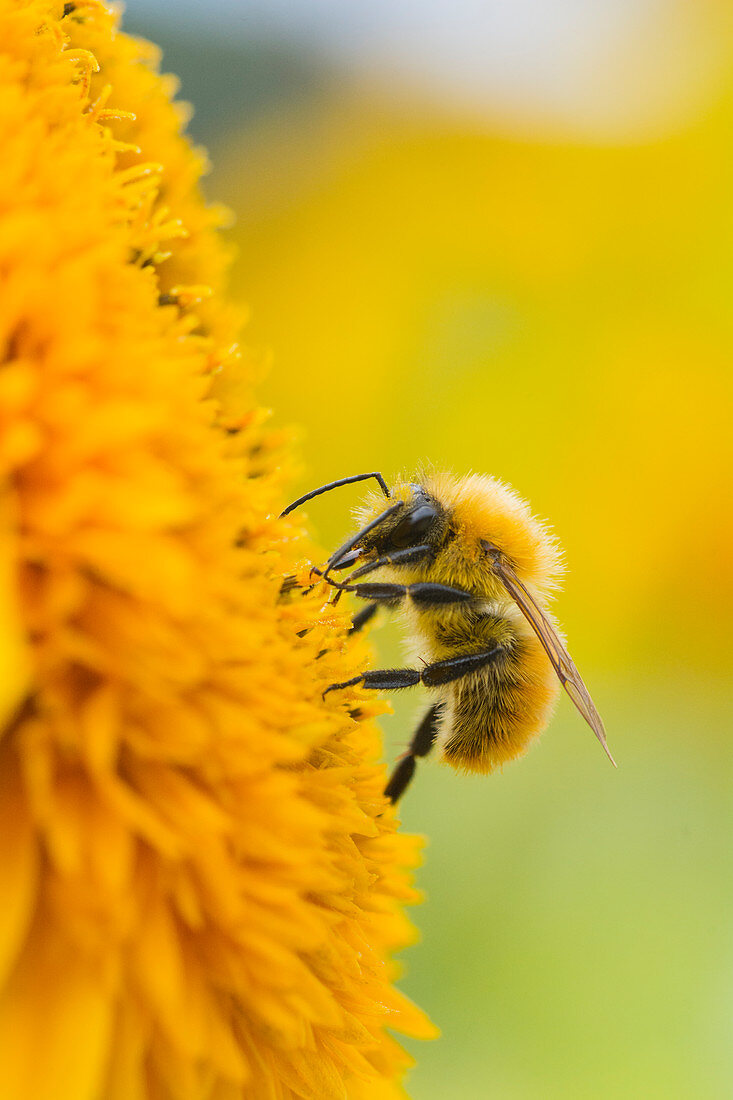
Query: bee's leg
362 617
409 556
424 593
421 744
290 581
357 623
439 672
455 668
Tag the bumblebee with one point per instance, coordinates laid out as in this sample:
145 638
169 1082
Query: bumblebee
472 571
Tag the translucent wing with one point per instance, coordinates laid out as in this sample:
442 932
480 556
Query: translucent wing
560 659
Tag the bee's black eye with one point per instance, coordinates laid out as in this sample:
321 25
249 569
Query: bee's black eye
410 530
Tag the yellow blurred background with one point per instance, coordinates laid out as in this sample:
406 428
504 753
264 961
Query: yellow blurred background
539 289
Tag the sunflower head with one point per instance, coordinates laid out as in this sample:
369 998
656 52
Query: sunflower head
202 881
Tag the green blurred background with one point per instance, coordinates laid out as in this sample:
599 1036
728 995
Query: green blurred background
508 247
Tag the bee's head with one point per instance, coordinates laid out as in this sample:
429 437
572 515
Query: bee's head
420 520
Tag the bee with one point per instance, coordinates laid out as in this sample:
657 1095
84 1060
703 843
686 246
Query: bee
472 572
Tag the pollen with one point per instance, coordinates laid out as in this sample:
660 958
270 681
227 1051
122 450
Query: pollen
203 885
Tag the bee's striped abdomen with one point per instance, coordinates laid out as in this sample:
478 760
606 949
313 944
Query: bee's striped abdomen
493 716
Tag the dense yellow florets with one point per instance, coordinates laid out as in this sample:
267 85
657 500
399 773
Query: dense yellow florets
201 881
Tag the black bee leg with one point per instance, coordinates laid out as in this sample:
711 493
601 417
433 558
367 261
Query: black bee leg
439 672
363 617
455 668
410 556
424 593
389 678
421 744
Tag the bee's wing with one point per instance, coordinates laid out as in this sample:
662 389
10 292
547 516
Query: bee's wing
560 659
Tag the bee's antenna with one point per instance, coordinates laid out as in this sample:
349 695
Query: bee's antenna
336 485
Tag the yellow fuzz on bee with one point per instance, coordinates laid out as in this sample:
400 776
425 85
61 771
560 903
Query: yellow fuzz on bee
202 883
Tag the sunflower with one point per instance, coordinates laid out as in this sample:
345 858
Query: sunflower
202 883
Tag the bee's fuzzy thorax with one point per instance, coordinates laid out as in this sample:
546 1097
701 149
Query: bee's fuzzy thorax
483 507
